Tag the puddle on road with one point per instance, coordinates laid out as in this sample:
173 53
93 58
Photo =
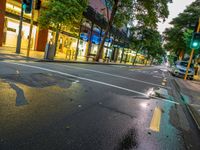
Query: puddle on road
39 80
128 141
21 84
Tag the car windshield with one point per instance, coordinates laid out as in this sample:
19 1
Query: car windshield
185 64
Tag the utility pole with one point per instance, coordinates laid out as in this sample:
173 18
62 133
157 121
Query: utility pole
191 55
31 28
19 37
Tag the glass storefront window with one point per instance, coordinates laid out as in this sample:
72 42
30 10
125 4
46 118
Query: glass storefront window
82 47
11 33
94 49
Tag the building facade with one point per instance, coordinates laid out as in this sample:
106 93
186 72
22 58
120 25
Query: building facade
83 43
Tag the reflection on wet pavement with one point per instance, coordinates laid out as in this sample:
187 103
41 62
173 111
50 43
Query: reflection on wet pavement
128 141
39 80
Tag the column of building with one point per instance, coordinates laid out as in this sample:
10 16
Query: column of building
2 18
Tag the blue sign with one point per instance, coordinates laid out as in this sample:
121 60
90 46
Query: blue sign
84 36
96 39
109 40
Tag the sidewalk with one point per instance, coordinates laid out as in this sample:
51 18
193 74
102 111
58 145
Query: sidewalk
9 53
190 93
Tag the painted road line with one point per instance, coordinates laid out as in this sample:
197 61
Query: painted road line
157 77
89 80
155 121
135 69
114 75
17 71
164 80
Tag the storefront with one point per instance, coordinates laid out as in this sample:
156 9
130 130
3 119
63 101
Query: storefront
83 44
11 30
11 27
82 48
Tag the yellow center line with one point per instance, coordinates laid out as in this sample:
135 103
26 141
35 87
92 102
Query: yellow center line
155 121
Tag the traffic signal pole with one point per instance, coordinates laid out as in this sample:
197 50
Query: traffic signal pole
31 29
191 55
19 37
189 63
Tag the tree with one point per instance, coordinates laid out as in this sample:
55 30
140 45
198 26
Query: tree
123 11
153 44
177 38
148 40
61 14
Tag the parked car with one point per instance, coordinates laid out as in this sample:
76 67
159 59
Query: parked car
179 69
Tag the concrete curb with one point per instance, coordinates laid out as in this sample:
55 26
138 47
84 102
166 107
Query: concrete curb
65 61
82 62
192 111
195 115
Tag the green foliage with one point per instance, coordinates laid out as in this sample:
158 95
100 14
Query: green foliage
187 36
178 37
124 13
147 13
175 41
150 40
152 43
60 14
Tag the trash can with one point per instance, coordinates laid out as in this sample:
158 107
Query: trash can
49 51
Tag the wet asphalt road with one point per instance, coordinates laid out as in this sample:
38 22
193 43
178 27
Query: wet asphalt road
47 106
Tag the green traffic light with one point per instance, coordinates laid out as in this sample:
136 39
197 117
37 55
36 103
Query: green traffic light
195 44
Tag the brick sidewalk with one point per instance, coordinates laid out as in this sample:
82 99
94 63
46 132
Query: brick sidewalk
190 91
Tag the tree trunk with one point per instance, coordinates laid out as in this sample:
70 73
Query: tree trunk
114 10
122 55
90 41
152 61
56 40
181 54
107 47
146 61
136 56
78 41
